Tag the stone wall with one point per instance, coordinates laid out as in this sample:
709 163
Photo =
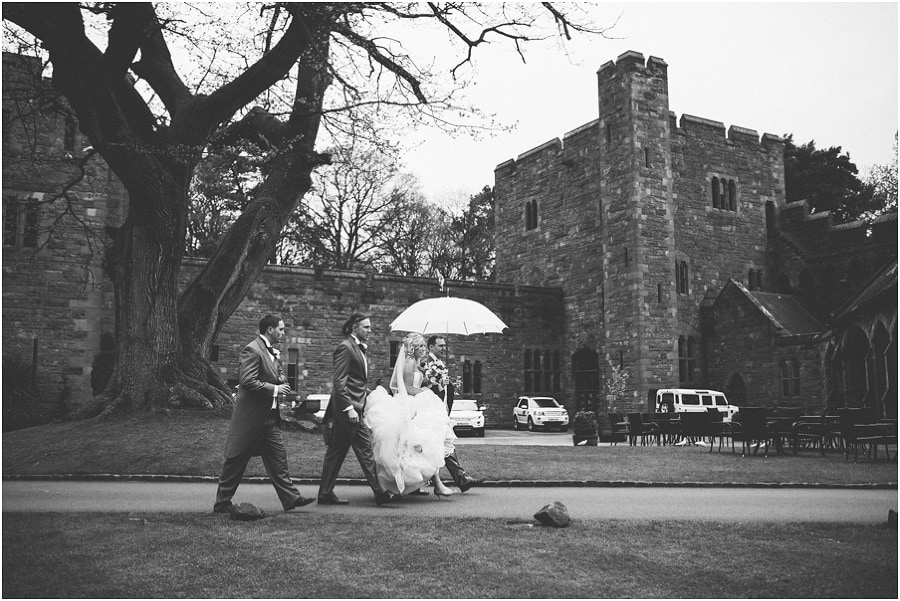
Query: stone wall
314 306
56 300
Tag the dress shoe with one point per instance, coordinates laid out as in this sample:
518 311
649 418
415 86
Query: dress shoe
384 497
331 500
223 508
440 494
421 491
300 502
468 483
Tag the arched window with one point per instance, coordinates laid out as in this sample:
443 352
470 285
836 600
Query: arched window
476 377
528 371
770 216
585 377
790 378
467 377
528 225
534 214
683 278
759 280
686 360
71 132
715 193
732 195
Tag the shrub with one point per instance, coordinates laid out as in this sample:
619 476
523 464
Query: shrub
585 424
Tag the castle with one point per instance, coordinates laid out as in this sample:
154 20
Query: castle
661 245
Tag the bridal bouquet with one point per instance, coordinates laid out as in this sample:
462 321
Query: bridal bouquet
436 374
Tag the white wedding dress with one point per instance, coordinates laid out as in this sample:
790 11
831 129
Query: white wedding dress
411 435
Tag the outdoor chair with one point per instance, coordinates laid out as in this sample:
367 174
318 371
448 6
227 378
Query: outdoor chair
718 428
858 429
619 427
695 426
665 428
808 434
637 429
754 430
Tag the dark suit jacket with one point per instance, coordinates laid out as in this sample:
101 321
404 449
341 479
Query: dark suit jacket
440 393
258 374
349 379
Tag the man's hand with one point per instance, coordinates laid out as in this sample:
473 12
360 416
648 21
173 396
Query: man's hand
353 415
283 389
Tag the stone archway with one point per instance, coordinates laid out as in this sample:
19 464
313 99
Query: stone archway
735 389
586 378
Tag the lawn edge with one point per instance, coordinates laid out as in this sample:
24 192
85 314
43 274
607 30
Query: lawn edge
487 483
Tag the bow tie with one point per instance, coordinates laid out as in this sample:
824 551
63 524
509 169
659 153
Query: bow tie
362 347
273 351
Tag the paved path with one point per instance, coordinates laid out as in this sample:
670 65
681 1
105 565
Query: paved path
651 503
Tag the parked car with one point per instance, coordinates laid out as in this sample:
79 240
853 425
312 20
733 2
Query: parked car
540 411
467 416
681 400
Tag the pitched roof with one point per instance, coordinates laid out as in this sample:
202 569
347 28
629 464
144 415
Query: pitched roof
881 283
784 311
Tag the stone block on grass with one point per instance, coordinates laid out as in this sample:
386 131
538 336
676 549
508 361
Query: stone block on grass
246 512
555 514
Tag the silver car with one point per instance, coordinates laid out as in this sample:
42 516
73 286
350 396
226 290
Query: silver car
540 412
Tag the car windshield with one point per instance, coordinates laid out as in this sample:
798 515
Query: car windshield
465 406
544 403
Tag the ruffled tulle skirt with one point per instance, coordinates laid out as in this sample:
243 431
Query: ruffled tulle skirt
411 435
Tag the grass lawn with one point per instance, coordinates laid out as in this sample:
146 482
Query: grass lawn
191 443
209 556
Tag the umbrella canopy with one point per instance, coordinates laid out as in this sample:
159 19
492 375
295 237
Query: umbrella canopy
448 315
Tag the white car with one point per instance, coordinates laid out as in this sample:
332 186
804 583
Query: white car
540 411
467 416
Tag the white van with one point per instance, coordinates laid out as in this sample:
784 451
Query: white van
680 400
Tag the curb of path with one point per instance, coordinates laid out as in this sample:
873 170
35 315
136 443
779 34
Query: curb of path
487 483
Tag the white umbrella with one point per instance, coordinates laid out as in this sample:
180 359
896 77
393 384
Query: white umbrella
448 315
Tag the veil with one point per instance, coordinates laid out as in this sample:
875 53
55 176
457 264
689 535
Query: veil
397 384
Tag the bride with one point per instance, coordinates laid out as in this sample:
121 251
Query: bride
411 432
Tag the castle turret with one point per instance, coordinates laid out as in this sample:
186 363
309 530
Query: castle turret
638 228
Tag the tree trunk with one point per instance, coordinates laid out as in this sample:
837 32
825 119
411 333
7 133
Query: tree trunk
250 242
144 262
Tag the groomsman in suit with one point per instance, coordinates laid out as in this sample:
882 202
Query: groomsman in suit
437 347
344 424
256 422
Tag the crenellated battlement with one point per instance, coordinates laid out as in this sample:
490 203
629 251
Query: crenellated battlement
632 61
691 125
549 150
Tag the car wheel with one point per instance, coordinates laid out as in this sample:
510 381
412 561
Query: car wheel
516 424
479 432
531 427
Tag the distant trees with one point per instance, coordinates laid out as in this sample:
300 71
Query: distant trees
828 181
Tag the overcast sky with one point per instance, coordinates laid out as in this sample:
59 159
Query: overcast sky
822 71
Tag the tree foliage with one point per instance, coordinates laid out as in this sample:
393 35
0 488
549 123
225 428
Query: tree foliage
828 180
157 87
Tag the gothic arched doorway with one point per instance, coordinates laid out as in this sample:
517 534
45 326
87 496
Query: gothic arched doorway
735 390
586 378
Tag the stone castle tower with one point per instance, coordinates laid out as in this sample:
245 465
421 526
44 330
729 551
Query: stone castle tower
641 220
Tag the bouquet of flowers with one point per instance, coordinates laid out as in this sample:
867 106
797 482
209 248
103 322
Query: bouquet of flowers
436 374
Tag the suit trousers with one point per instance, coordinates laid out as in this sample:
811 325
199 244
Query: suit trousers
457 472
271 448
344 436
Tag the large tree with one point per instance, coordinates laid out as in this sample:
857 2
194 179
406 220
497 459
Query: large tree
114 65
828 180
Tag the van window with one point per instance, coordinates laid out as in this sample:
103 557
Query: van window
721 401
690 399
707 400
668 399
